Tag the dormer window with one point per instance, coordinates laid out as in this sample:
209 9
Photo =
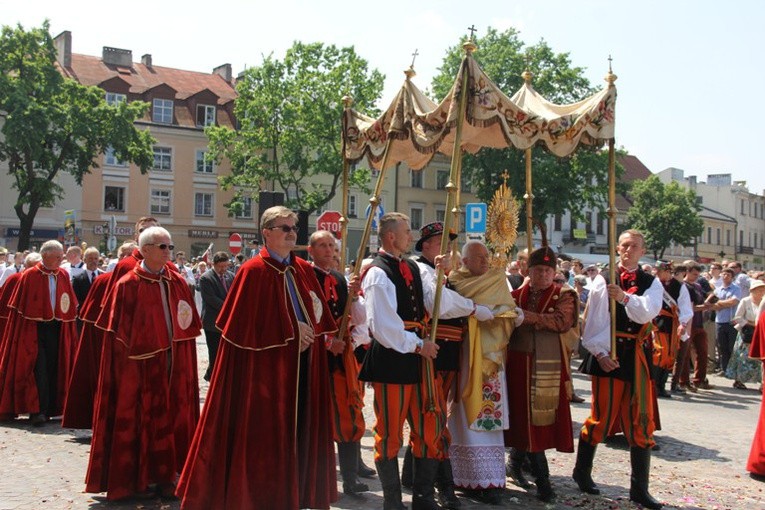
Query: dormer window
113 99
205 115
162 111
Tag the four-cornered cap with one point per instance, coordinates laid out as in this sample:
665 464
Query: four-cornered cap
543 256
432 229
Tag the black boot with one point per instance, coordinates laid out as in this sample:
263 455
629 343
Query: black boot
387 471
423 488
407 471
364 470
640 458
661 385
514 468
541 472
348 458
445 483
585 453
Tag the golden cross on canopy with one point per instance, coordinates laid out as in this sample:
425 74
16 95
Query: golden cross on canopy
473 30
609 63
414 56
505 176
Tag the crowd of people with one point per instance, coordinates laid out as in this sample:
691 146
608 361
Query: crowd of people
479 368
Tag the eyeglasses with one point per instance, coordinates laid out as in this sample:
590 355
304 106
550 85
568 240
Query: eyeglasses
163 246
284 228
559 280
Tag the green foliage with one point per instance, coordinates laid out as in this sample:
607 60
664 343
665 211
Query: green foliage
53 124
289 124
559 185
665 214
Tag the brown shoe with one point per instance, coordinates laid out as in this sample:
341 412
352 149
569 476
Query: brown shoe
576 399
691 388
704 386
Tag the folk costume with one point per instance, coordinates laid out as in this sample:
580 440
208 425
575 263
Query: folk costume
147 401
539 410
480 406
676 309
625 393
265 435
78 409
41 337
396 301
345 389
756 462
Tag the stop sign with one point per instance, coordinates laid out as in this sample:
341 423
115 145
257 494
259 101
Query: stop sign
235 243
330 220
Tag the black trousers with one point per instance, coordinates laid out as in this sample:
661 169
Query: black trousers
212 338
726 338
46 365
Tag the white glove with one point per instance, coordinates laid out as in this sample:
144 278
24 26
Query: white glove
483 313
520 318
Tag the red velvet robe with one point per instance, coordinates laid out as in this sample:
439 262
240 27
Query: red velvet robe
78 408
5 299
247 453
756 462
30 304
147 401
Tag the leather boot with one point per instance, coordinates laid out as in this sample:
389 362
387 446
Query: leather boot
445 483
407 471
640 458
585 453
661 385
541 472
515 468
387 471
364 470
348 458
423 488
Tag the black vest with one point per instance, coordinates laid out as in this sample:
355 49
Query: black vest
663 322
385 365
448 359
336 307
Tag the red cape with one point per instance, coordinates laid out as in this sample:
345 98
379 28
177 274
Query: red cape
78 408
144 417
5 298
30 304
756 462
246 452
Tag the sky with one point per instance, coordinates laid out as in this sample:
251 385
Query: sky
689 75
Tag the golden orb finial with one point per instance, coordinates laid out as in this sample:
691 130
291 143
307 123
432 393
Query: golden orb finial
527 76
347 101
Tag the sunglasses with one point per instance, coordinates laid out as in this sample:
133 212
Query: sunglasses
284 228
163 246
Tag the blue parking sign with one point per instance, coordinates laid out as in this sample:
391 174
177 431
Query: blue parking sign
475 218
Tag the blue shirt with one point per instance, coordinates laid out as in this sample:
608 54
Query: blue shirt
726 314
290 276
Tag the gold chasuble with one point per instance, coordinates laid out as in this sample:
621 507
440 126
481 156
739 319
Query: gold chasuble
488 339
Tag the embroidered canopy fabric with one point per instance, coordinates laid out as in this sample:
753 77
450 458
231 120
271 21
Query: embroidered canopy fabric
418 128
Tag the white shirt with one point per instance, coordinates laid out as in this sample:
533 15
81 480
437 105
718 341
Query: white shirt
685 310
7 272
73 270
596 336
382 319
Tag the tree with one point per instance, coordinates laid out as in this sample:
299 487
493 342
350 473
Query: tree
53 124
665 214
559 185
289 124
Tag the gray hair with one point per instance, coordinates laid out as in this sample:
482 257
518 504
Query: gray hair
31 259
150 234
92 249
467 245
51 246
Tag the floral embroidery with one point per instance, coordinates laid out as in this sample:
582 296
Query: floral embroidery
490 417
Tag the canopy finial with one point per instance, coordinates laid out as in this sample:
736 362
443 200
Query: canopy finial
347 101
470 46
610 77
527 75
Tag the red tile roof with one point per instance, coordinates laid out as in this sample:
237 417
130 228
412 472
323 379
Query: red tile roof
634 170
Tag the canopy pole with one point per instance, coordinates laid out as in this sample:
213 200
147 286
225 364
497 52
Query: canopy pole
347 102
612 211
529 197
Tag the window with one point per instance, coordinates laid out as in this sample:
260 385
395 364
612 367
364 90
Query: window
740 239
246 208
440 213
415 215
110 158
203 204
113 99
718 236
160 201
205 115
742 208
709 235
163 159
727 238
588 222
416 178
558 226
162 111
203 165
754 244
352 206
442 179
601 221
114 198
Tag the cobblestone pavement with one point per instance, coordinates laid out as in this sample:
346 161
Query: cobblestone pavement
701 464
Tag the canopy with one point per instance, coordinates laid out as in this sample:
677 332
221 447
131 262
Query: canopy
418 127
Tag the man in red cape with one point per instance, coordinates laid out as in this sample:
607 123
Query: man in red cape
6 291
265 436
147 402
36 360
756 462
